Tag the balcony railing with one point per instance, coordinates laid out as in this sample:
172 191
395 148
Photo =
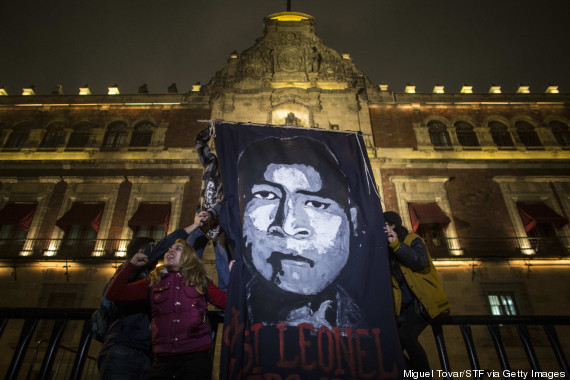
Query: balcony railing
72 249
517 247
71 361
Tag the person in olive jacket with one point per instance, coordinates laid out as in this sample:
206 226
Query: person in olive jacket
418 294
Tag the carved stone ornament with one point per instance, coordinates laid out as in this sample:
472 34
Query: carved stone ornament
290 60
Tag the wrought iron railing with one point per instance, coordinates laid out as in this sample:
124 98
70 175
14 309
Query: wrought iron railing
72 249
493 325
79 365
82 249
517 247
52 359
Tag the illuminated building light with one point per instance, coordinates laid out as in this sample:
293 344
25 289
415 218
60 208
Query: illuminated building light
98 253
114 90
383 87
234 55
494 89
26 252
3 92
528 251
467 262
523 89
345 56
121 253
84 90
28 91
410 89
50 252
466 89
552 90
196 87
289 16
437 89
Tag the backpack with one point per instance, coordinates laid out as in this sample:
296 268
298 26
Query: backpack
103 317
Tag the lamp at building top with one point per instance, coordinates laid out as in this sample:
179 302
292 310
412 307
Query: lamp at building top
196 87
345 56
523 89
84 90
28 91
438 89
289 16
234 55
410 89
552 90
466 89
494 89
383 87
3 91
113 90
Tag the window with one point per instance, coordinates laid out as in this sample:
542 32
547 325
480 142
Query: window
65 296
80 135
540 223
18 137
54 137
560 132
151 220
81 224
115 136
502 303
465 134
527 134
500 134
430 222
142 134
438 134
15 222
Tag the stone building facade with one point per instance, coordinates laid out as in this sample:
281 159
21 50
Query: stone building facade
483 176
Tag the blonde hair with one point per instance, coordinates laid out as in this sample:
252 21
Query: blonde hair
191 268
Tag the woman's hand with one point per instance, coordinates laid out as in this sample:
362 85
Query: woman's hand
139 259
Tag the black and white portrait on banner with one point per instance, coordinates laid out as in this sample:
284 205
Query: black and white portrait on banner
310 292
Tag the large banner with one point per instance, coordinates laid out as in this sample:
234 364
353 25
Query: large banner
310 295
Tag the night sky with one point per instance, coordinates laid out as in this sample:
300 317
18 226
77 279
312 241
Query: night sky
421 42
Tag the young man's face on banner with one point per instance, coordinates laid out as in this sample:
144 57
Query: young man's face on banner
297 233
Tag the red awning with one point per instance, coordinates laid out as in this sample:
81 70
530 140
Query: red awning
82 214
151 214
535 213
426 213
20 214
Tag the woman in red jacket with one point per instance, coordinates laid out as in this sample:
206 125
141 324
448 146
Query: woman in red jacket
178 291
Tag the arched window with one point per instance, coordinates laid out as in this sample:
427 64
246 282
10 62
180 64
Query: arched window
54 136
80 135
18 137
115 136
500 134
142 134
438 133
527 134
560 132
465 134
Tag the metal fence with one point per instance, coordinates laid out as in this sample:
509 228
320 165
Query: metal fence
53 359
